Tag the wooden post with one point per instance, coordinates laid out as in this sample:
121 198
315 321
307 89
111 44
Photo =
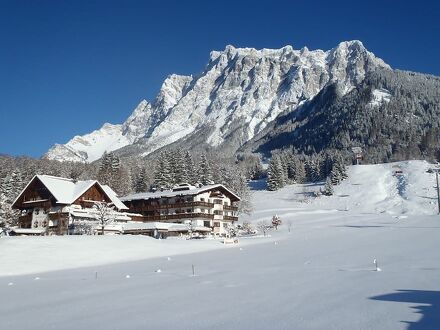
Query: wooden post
194 272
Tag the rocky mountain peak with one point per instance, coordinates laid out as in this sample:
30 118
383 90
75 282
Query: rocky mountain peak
240 91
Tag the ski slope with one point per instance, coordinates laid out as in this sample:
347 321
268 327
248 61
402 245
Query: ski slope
369 189
320 275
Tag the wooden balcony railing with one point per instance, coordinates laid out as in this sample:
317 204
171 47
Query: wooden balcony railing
230 208
58 215
179 216
182 205
228 217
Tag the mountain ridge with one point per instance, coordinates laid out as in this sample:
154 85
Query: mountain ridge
240 91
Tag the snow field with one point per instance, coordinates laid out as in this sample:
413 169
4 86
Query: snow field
317 277
321 275
30 255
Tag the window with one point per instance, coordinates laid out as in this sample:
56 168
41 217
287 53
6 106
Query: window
225 204
217 212
216 224
202 199
218 201
206 223
188 210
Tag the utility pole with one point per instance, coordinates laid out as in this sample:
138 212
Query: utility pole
436 170
438 191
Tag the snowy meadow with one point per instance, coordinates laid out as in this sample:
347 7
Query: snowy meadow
319 275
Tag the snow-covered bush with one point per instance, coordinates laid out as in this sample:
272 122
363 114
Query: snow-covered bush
263 227
104 214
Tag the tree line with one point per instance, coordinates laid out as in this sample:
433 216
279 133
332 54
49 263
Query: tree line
135 174
288 167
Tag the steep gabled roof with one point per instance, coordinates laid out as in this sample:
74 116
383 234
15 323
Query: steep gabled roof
172 193
67 191
114 197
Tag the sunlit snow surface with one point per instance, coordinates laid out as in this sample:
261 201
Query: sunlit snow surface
321 275
379 96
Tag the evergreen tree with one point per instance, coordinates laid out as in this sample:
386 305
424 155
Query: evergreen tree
300 172
162 176
178 168
328 187
105 173
141 181
275 174
205 174
190 169
340 167
335 176
312 172
326 166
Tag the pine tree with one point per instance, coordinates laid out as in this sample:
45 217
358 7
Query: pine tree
275 174
328 187
162 176
326 166
8 216
312 171
178 168
12 185
300 172
141 182
205 174
340 168
335 176
104 172
190 168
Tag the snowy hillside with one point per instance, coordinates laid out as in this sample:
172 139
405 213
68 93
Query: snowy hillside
240 91
320 275
370 189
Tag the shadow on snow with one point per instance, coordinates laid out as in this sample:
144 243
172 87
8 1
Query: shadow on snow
429 306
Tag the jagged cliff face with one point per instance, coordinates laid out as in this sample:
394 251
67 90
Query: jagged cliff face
238 94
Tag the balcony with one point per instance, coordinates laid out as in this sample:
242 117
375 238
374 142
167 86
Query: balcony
229 218
230 208
180 216
58 215
182 205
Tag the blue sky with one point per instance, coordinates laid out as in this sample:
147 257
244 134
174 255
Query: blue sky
66 67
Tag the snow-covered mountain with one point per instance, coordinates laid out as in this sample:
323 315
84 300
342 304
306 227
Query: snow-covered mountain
240 91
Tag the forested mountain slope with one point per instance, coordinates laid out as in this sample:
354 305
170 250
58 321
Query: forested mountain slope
393 115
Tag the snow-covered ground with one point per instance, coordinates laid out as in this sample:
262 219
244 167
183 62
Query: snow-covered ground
321 275
369 189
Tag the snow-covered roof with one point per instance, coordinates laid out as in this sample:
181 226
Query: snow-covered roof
30 231
172 193
114 197
66 191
